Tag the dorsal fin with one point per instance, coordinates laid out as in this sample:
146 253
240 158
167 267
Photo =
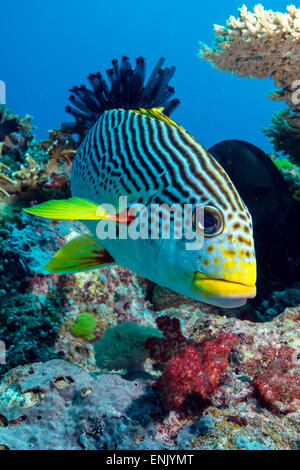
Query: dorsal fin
125 89
157 113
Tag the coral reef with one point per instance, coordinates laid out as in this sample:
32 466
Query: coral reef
84 326
5 179
163 349
290 172
7 125
31 170
189 370
207 378
59 405
15 134
29 326
265 44
123 346
279 301
275 378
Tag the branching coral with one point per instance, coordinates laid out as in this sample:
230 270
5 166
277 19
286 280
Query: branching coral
265 44
32 175
5 180
61 149
189 369
276 378
28 166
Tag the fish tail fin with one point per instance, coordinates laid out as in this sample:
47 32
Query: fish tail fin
80 254
125 89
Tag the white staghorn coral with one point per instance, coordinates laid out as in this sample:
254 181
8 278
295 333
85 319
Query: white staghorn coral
260 44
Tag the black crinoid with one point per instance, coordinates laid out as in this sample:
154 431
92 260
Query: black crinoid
125 88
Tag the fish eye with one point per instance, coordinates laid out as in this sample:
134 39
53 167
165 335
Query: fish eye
212 220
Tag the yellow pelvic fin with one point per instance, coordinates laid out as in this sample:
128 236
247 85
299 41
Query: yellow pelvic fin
80 254
75 208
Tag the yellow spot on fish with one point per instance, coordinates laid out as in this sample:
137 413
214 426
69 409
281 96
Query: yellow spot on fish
210 248
206 262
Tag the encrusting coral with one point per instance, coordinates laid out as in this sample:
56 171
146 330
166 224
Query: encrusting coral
259 45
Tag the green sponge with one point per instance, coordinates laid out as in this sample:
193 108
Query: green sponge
84 326
123 346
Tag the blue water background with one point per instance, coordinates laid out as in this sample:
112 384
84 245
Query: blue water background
50 45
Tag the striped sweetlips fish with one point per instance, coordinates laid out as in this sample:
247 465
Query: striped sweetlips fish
131 148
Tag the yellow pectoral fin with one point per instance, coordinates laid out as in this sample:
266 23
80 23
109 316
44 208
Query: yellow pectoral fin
80 254
75 208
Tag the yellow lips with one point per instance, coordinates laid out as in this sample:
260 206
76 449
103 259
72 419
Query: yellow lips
211 287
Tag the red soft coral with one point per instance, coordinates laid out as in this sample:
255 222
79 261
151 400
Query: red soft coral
181 376
163 349
275 377
189 369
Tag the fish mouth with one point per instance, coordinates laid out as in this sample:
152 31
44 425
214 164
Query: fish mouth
222 292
